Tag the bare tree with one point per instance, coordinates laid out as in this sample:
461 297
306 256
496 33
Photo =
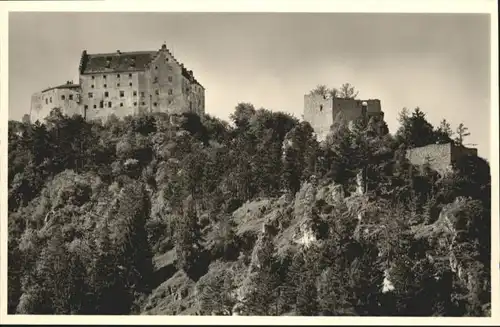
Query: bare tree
462 132
320 90
333 93
347 91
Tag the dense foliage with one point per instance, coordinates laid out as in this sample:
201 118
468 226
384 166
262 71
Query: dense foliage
91 204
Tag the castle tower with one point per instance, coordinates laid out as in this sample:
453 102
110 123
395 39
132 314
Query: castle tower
320 111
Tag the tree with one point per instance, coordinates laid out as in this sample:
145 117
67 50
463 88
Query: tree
264 281
334 93
347 91
462 133
133 250
415 130
242 114
444 132
320 89
188 238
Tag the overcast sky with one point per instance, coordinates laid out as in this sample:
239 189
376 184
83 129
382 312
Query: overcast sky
440 63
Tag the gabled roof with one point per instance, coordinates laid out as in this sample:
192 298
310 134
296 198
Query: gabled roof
63 86
125 62
115 62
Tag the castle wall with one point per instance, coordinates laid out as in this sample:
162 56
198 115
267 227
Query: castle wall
352 109
196 99
104 94
441 156
318 112
42 103
153 83
321 112
164 84
458 152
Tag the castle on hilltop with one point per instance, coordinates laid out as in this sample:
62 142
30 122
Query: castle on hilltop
320 111
124 83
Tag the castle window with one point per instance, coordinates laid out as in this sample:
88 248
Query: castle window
143 103
104 76
135 93
50 99
93 77
157 92
109 104
101 104
92 86
169 101
86 107
156 67
130 75
46 101
71 96
155 104
170 91
106 94
130 84
105 85
90 94
166 59
118 75
63 97
170 78
320 107
121 104
155 80
118 84
142 94
122 94
95 106
135 103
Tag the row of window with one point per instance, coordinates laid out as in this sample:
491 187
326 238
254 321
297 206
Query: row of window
63 97
117 75
106 85
110 104
134 93
130 76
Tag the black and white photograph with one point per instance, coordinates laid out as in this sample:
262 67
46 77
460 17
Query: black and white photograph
239 163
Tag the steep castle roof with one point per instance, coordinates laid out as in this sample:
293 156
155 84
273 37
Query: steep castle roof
68 85
125 62
115 62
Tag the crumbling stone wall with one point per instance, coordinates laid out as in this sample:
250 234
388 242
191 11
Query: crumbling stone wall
318 111
439 156
322 111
